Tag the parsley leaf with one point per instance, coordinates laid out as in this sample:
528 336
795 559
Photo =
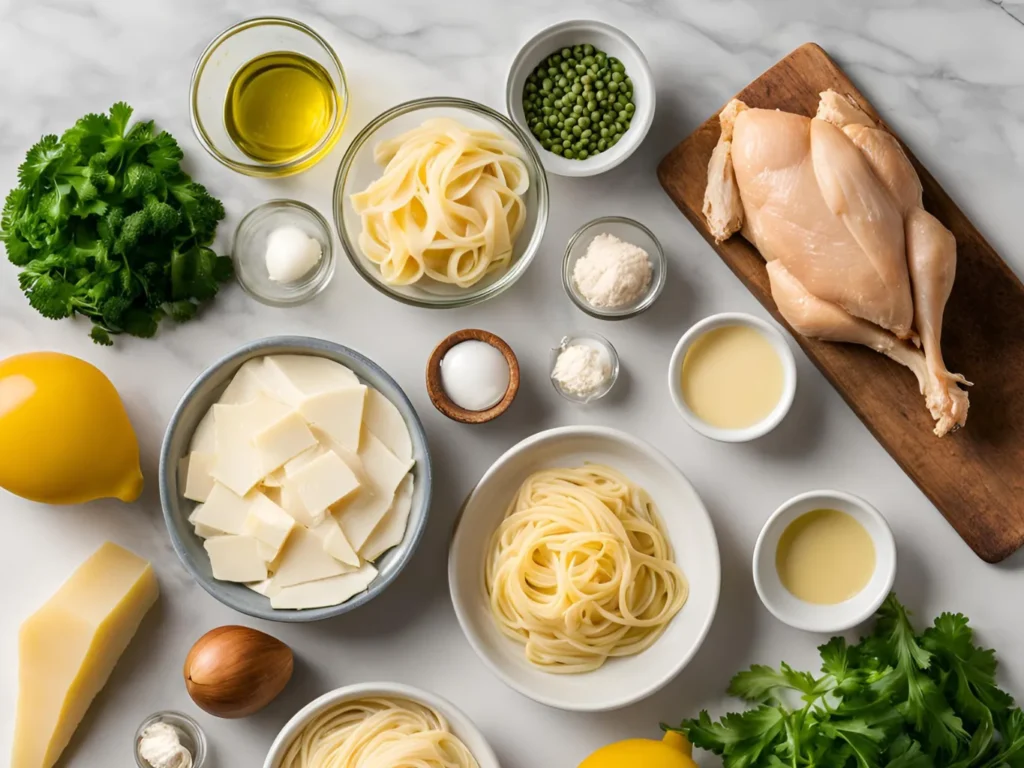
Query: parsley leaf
106 224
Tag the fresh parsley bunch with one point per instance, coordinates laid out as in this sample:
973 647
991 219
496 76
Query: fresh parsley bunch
106 224
895 700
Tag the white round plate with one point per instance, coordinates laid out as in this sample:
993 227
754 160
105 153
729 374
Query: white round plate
620 681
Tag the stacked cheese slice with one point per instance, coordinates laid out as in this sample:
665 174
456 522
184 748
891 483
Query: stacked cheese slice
303 478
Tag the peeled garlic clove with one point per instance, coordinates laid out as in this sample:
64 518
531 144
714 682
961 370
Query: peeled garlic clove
235 671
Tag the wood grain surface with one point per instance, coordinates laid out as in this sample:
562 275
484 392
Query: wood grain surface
975 476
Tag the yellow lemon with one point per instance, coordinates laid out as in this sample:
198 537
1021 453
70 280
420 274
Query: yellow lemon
65 437
671 752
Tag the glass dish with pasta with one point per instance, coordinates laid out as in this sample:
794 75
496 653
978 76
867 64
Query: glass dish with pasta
441 202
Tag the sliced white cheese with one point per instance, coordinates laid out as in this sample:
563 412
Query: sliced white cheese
292 378
236 558
198 480
391 529
339 413
224 510
238 464
283 440
246 384
364 511
304 559
383 419
324 592
334 542
203 439
291 502
324 481
274 479
270 524
293 466
263 587
206 532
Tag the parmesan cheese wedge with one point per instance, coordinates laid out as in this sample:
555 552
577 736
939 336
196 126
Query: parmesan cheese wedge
323 592
282 441
68 648
360 515
270 524
334 542
224 510
236 558
238 464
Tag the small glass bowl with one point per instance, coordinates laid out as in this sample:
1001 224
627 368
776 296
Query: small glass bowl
225 55
631 232
250 248
594 341
191 735
359 169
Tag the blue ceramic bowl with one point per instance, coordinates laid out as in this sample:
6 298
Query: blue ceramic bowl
202 394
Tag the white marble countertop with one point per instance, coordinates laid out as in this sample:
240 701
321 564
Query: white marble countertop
947 74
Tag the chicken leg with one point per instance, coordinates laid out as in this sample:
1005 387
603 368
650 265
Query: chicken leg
818 319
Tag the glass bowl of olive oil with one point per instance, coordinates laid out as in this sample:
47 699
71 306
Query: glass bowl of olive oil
268 97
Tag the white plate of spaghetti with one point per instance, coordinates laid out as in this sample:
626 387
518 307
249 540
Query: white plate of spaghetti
380 725
584 569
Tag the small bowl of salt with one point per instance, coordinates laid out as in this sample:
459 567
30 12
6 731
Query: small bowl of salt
614 268
584 367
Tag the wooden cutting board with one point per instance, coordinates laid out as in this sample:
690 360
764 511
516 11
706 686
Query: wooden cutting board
975 476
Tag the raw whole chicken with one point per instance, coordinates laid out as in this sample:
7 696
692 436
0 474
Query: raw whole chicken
834 206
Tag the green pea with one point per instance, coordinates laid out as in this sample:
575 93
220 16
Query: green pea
601 57
586 79
613 87
630 108
592 105
605 133
564 134
546 143
564 66
583 154
553 119
546 84
584 122
599 85
617 67
602 145
577 110
569 154
557 92
588 49
580 69
566 53
616 77
545 134
577 88
563 82
557 104
619 127
556 148
588 61
547 111
552 71
570 121
577 131
601 94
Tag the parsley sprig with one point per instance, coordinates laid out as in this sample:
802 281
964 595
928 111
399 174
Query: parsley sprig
897 699
105 223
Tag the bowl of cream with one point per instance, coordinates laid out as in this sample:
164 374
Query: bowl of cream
824 561
733 377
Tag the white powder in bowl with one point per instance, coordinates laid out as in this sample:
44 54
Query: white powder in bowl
580 369
612 273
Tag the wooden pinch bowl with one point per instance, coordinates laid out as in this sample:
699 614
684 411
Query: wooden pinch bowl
440 398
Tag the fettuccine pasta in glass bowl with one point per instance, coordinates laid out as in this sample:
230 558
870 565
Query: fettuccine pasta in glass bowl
441 202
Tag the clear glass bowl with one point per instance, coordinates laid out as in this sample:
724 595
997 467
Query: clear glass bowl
630 231
191 735
250 247
594 341
225 55
358 169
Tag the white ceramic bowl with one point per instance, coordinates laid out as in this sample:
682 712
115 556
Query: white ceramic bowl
460 724
613 42
824 618
620 681
778 341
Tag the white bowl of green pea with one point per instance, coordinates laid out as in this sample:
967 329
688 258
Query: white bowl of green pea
584 93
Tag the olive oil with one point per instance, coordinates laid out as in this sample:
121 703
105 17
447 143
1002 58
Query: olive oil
280 106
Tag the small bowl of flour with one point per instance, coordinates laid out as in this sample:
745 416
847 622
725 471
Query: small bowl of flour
584 367
614 268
